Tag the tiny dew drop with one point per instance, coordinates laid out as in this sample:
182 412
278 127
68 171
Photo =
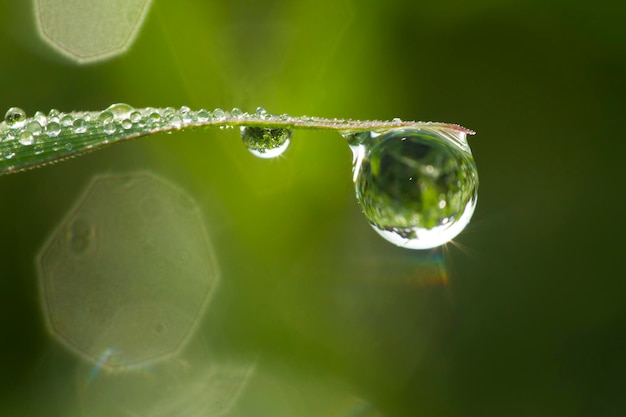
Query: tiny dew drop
80 126
26 138
418 188
265 142
34 127
53 129
105 117
109 127
15 117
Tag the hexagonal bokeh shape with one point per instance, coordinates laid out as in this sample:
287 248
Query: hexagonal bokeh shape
127 274
90 30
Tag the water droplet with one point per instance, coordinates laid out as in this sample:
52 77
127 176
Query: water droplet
135 117
219 114
67 120
26 138
54 114
203 115
265 142
40 118
53 129
105 117
126 124
109 127
176 122
236 113
15 117
120 111
34 127
417 188
80 126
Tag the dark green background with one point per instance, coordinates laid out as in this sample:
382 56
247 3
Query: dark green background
532 321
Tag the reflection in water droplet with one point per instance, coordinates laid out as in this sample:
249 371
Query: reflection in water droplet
265 142
417 187
15 117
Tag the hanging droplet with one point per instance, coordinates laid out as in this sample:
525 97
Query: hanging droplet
265 142
15 117
417 187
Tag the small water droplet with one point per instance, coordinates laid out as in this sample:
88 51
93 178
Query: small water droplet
203 115
67 120
265 142
219 114
407 203
109 127
9 155
53 129
54 114
176 122
135 116
34 127
120 111
236 113
126 124
15 117
40 118
105 117
80 126
26 138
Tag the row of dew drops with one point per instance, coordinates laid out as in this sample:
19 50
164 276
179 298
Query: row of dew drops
119 120
417 186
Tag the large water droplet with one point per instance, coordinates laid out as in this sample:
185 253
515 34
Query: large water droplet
265 142
15 117
120 111
417 187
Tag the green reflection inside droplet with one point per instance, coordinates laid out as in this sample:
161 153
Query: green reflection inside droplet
417 187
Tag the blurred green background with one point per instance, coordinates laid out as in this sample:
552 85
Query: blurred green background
523 315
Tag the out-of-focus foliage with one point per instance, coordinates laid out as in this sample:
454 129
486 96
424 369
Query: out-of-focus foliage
524 315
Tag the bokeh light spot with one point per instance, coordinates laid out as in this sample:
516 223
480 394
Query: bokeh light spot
114 280
90 30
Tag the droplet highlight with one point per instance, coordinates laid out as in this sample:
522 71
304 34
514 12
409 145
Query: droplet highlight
417 187
265 142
